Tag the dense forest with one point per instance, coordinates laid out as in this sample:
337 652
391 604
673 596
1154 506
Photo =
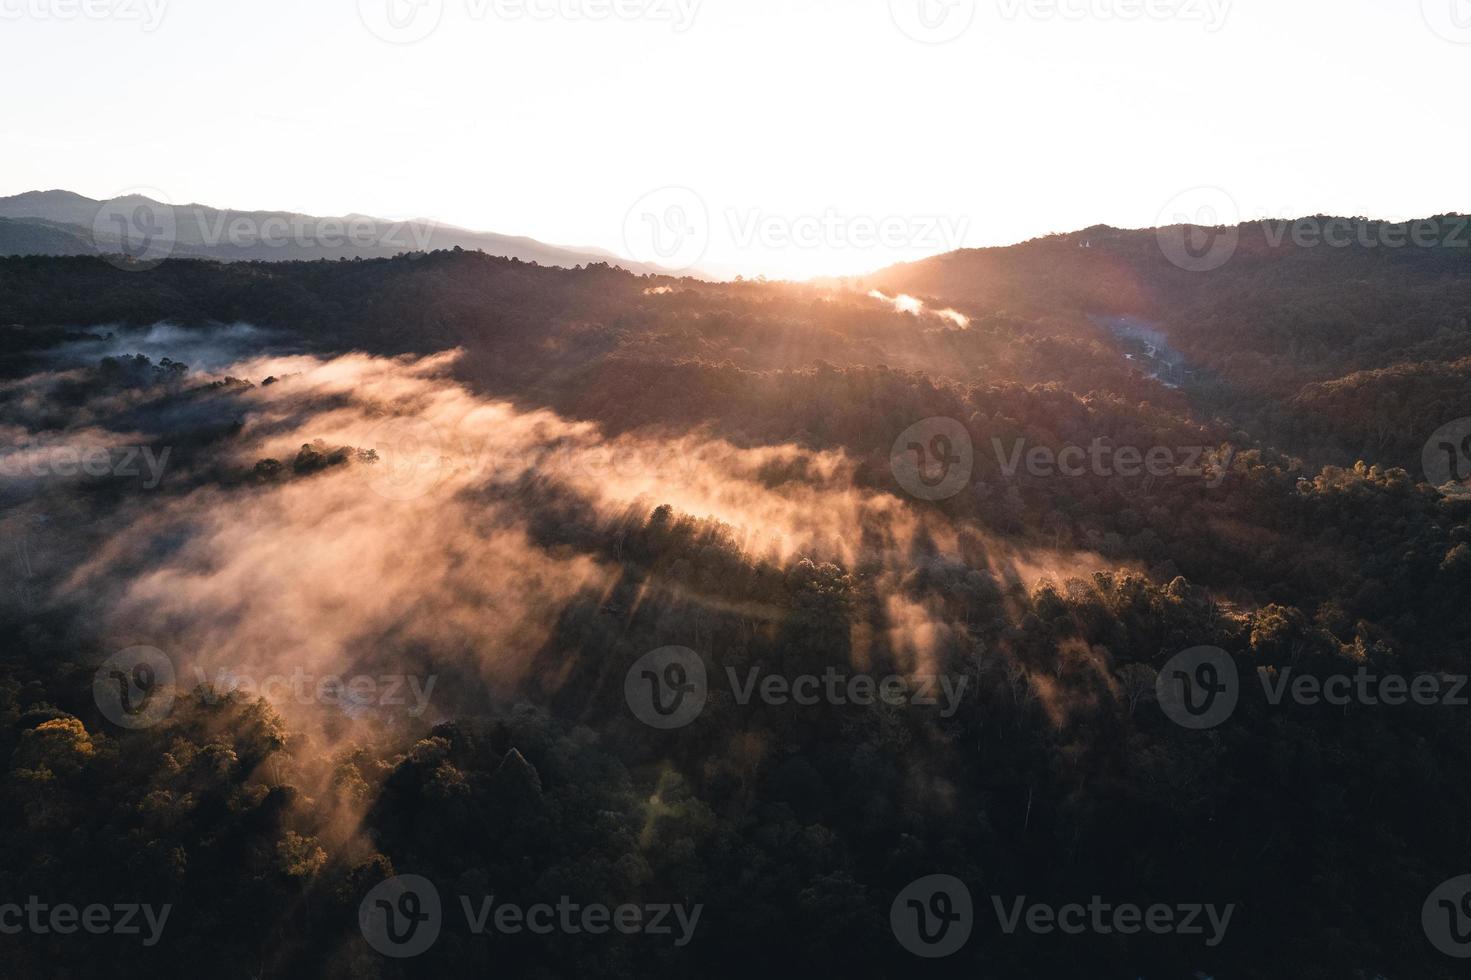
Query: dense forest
599 465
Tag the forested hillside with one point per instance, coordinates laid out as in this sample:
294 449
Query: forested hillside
1295 309
505 484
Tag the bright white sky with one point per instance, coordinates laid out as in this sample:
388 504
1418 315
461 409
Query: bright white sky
793 111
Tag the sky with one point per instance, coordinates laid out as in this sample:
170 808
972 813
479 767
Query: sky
786 138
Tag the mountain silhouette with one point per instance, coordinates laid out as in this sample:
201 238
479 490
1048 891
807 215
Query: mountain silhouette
60 222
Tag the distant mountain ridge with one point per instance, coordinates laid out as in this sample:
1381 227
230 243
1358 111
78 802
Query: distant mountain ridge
1136 270
60 222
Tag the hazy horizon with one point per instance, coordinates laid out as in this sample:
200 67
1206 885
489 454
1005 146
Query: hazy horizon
1278 228
842 137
